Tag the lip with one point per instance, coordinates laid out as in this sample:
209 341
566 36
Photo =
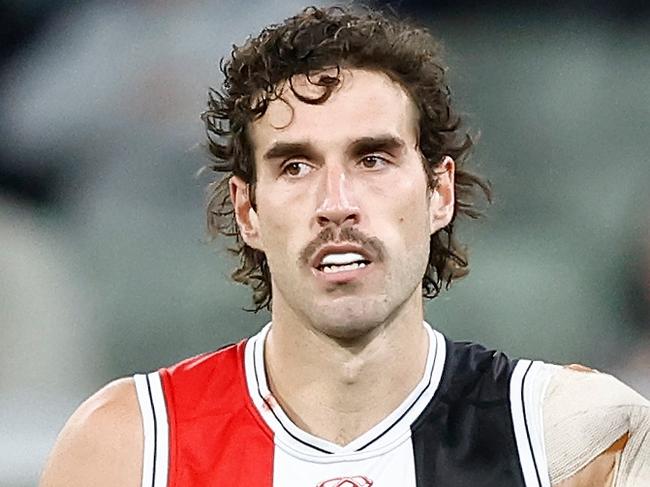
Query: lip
340 248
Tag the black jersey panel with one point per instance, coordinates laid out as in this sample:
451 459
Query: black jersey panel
465 436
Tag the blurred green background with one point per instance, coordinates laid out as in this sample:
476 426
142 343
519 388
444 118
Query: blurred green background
105 268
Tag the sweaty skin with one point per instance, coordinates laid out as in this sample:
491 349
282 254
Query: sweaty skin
350 166
319 169
101 445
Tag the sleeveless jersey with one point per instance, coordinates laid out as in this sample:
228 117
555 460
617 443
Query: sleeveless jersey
474 420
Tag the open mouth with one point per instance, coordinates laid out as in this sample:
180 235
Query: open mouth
341 262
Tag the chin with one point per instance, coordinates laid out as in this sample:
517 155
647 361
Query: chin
350 319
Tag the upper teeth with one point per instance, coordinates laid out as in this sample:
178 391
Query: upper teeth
342 259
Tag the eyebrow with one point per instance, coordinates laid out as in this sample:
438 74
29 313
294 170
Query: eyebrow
358 147
287 149
387 143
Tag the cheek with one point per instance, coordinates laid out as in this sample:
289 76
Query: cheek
280 225
414 229
411 208
405 228
274 230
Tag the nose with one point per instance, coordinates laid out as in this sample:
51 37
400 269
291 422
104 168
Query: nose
338 203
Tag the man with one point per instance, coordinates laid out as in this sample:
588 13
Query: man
344 176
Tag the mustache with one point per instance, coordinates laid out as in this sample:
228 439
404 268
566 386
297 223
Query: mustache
330 234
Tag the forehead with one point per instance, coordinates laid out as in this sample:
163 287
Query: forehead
365 103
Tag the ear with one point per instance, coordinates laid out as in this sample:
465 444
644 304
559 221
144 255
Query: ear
245 214
441 203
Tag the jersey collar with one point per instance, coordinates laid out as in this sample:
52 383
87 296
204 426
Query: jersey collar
393 429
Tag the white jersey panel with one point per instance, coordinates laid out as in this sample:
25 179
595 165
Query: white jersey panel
527 387
392 468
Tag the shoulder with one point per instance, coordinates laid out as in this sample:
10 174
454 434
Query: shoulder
202 366
576 391
213 374
475 357
471 368
101 444
588 419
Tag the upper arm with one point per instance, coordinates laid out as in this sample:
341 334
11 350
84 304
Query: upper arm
102 442
600 472
596 431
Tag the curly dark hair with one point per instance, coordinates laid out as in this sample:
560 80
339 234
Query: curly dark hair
306 44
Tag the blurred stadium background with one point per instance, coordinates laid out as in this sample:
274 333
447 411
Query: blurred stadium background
104 265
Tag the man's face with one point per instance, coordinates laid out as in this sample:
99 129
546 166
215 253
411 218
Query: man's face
343 211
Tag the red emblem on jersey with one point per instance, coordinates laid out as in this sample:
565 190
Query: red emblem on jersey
358 481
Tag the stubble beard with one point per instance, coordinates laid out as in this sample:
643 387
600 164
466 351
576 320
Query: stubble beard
350 318
348 313
353 318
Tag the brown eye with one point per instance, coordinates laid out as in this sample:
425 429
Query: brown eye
296 169
373 162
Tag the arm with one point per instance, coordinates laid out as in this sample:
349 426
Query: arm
101 444
597 431
599 472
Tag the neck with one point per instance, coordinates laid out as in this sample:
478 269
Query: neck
337 389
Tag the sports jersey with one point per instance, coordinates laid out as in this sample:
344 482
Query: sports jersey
474 419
